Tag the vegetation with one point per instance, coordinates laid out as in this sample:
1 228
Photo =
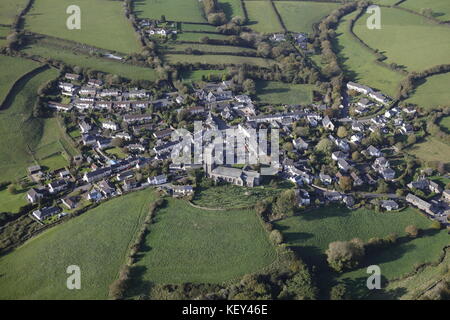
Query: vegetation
262 17
173 10
283 93
432 92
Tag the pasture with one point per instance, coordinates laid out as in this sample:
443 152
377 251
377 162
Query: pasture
197 37
21 133
11 8
445 123
232 8
90 62
12 70
218 58
101 21
441 8
432 92
262 18
173 10
359 64
97 242
284 93
407 39
192 245
12 202
199 75
206 48
300 16
432 149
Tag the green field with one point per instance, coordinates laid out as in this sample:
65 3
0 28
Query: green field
431 149
101 21
445 123
232 8
407 39
230 196
191 245
284 93
197 37
441 8
174 10
206 48
433 92
217 58
89 62
262 18
4 31
311 232
198 27
12 69
197 75
96 241
359 63
9 9
12 202
21 133
300 16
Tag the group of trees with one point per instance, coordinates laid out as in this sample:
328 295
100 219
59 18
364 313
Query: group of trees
214 13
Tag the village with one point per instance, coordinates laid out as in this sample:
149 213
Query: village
126 146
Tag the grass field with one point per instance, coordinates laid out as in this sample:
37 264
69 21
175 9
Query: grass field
300 16
96 241
230 196
196 37
174 10
433 92
359 62
9 9
311 232
101 21
262 17
445 123
394 39
232 8
283 93
214 59
12 202
431 149
197 75
441 8
12 69
89 62
206 48
198 27
4 31
21 133
191 245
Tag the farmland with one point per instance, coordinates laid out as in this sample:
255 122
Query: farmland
262 17
12 202
20 131
445 123
431 149
96 241
206 48
394 39
276 92
9 9
214 59
197 75
193 245
440 8
359 64
197 37
432 92
300 16
173 10
232 8
101 21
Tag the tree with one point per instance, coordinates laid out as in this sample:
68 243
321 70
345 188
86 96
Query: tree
382 186
344 255
339 292
411 139
12 189
412 231
345 183
276 237
325 145
285 203
249 86
342 132
117 142
356 156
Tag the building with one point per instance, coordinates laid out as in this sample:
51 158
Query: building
161 179
389 205
97 174
45 213
327 124
419 203
70 202
34 195
235 176
358 88
133 118
110 125
57 186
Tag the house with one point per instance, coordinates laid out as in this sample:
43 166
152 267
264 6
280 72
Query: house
182 190
357 181
327 124
59 106
125 175
84 127
72 76
45 213
406 129
379 97
338 155
364 103
106 189
67 88
57 186
387 173
332 196
372 151
70 202
95 83
103 143
380 162
357 126
94 195
195 110
446 195
419 203
87 91
358 88
133 118
33 195
97 174
349 201
161 179
300 144
34 169
389 205
325 178
110 93
110 125
235 176
108 105
343 165
277 37
130 184
136 147
302 197
162 133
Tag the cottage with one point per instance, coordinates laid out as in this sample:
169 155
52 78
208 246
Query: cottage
97 174
109 125
59 106
57 186
70 202
45 213
325 178
389 205
372 151
327 124
358 88
343 165
419 203
34 195
106 189
161 179
300 144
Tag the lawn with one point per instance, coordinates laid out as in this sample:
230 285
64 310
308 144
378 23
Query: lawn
300 16
359 63
12 69
262 18
431 149
101 21
191 245
230 196
21 132
117 152
222 59
89 62
283 93
441 8
12 202
96 241
173 10
10 8
433 92
407 39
